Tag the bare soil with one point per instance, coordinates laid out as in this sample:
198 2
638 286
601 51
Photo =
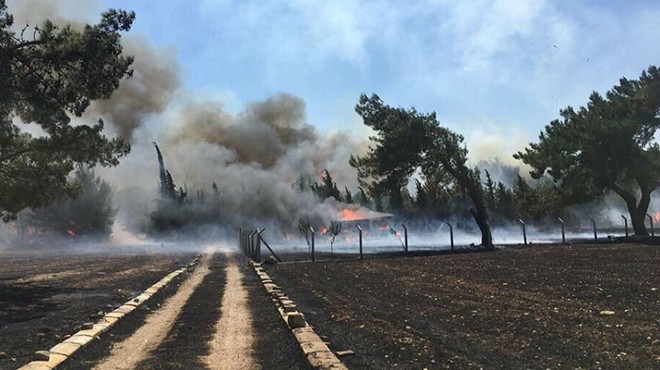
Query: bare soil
45 298
523 307
231 347
136 348
189 340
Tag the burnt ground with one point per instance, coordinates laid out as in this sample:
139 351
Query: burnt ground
533 307
39 310
42 299
275 346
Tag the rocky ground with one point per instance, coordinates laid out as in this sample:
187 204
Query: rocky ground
578 306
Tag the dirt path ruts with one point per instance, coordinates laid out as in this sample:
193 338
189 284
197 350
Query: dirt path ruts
231 346
133 350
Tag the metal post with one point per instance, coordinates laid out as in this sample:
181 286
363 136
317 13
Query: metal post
593 224
563 232
651 221
311 229
625 223
524 230
360 238
240 247
405 237
451 236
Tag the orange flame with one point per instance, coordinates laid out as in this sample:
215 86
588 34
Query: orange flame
656 217
324 230
351 215
71 233
383 227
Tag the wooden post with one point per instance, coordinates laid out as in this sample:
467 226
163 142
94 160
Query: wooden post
563 233
625 223
651 221
451 236
524 230
360 238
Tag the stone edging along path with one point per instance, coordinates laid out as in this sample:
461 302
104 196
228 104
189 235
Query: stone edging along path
46 360
317 352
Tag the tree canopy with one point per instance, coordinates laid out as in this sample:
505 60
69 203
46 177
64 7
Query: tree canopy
401 137
406 141
90 213
46 77
608 145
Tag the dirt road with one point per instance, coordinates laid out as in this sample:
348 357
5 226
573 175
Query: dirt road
216 317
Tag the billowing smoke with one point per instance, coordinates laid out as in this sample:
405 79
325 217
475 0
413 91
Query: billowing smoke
254 157
147 92
262 134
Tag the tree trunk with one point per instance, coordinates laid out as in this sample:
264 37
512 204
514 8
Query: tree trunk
480 213
482 222
636 210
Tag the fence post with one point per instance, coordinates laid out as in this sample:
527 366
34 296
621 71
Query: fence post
563 232
253 241
451 236
625 223
360 238
651 221
593 224
524 230
258 251
405 237
311 229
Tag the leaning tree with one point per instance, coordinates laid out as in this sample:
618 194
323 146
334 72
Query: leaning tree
405 141
47 75
401 136
606 146
446 162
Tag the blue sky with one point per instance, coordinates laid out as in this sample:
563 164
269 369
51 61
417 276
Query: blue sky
499 69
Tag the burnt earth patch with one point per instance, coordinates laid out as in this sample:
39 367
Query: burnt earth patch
275 346
535 307
43 299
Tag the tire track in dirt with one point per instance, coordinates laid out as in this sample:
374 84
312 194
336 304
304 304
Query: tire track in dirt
187 342
231 347
133 350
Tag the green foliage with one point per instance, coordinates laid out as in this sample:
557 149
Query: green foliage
607 145
348 196
328 188
363 198
400 139
445 161
43 80
404 141
538 202
91 212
